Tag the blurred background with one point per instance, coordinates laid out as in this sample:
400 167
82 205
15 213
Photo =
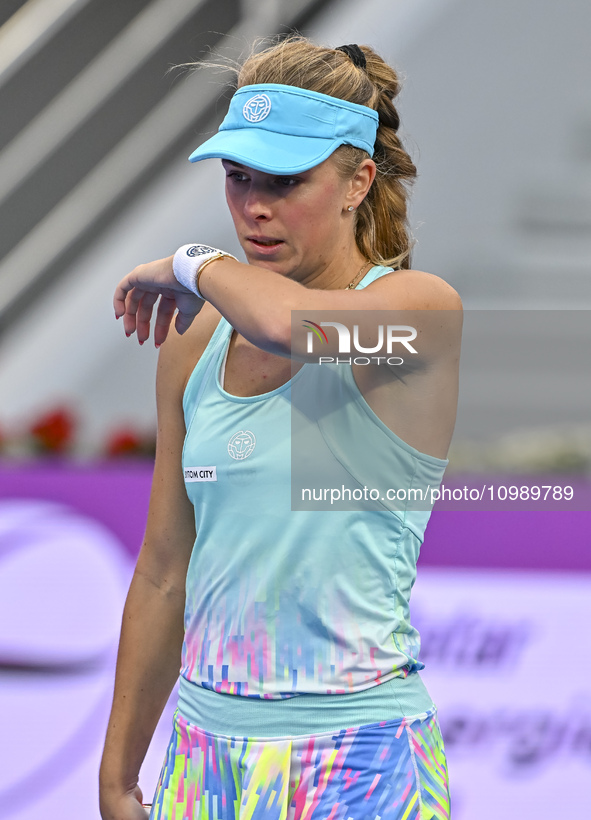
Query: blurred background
95 130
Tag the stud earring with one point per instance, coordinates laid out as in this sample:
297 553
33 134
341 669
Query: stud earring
351 208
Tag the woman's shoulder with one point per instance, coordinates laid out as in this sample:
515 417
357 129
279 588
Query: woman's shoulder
180 353
419 290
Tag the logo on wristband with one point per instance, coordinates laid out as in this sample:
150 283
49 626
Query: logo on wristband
198 250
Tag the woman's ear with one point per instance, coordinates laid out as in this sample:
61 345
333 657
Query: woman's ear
361 182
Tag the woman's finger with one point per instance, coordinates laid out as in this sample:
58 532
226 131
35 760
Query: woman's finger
129 311
132 301
144 316
164 316
183 321
120 296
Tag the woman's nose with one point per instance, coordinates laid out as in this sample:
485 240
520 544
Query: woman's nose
257 205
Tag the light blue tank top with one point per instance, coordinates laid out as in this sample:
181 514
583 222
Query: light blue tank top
296 622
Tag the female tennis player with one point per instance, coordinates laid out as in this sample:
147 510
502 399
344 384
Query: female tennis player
300 695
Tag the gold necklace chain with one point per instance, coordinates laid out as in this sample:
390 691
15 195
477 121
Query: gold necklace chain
352 284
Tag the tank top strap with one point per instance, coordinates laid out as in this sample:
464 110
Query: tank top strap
373 273
204 369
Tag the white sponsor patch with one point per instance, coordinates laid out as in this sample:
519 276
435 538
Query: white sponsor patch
200 474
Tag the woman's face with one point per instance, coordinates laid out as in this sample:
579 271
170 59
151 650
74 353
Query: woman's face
294 225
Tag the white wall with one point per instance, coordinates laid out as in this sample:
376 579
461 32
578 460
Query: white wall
498 115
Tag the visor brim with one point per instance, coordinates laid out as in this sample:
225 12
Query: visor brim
267 151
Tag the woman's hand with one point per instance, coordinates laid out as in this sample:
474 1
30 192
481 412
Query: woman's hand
137 293
126 806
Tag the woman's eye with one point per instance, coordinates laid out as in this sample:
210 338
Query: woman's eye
286 182
236 176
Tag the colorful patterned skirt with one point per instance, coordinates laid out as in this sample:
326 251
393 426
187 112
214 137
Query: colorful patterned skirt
394 769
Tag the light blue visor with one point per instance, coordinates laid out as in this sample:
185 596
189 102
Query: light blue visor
282 129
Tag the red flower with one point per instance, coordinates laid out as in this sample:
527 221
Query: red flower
125 443
54 431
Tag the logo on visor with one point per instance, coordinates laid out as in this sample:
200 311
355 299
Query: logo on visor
257 108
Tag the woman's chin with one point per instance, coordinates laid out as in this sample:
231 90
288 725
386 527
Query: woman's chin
269 264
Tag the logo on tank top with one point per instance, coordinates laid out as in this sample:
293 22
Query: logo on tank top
241 444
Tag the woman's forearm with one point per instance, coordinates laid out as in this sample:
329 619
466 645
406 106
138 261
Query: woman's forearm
148 665
258 303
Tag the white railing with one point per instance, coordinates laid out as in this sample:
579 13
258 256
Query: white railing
133 155
29 28
85 93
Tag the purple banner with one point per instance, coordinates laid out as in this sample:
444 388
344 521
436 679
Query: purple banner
68 538
118 495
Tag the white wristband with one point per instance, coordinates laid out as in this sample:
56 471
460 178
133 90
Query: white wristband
188 260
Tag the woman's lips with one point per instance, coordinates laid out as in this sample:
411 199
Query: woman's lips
265 245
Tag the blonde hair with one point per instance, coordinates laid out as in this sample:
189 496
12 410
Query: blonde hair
382 232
